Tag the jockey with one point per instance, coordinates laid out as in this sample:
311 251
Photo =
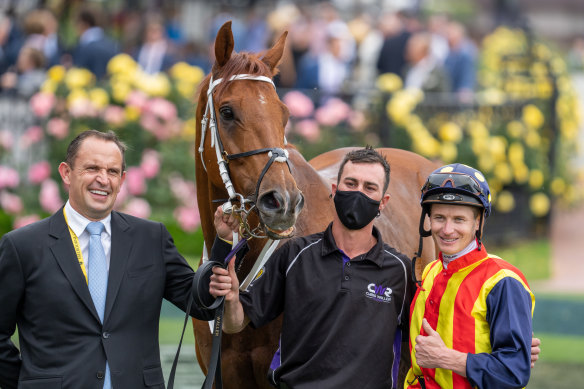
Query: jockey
471 317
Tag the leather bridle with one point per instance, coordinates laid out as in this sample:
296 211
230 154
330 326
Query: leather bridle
276 154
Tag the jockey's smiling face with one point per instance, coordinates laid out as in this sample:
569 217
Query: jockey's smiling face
453 226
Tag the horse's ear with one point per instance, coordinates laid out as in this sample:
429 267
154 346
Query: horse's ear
274 55
224 44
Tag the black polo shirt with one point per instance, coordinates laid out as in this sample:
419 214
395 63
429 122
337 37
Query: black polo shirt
340 315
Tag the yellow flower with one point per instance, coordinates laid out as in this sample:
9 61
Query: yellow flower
448 152
503 172
558 186
477 129
450 132
56 73
426 145
186 73
498 146
186 89
78 78
492 96
539 204
505 202
516 154
76 95
132 113
486 162
155 85
189 130
49 86
121 64
389 82
521 173
532 116
532 139
99 97
536 179
515 129
120 89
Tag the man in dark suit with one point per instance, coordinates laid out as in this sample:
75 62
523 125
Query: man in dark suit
46 273
94 49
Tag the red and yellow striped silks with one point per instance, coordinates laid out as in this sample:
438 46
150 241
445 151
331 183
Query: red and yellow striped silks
454 301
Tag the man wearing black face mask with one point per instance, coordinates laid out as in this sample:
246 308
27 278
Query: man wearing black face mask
345 295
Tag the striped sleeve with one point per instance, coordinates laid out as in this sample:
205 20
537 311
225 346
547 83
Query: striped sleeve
509 313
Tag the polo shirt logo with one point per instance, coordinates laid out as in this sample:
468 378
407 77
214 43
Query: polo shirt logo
379 293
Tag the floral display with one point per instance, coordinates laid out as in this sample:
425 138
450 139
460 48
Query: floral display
520 132
152 114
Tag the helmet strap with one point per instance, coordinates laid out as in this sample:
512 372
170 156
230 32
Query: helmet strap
479 232
423 233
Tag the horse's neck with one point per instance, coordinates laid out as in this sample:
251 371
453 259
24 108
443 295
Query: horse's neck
318 207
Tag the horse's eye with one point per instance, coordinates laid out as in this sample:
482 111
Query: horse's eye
226 113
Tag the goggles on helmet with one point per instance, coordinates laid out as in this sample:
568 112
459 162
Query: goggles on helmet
457 181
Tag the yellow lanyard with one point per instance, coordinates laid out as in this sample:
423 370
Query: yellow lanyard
77 247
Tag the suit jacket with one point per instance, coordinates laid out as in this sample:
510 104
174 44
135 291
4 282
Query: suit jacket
62 341
95 55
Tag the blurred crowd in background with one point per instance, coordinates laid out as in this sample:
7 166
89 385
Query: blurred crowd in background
493 97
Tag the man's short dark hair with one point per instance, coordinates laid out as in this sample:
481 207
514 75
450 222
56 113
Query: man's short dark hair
366 155
109 136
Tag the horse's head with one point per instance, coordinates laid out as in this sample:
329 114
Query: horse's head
241 138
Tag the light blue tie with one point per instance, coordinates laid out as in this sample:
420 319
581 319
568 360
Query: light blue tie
97 278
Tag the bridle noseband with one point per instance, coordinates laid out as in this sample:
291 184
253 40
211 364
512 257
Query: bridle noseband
275 154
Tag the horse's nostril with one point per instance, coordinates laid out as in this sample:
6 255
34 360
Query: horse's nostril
272 201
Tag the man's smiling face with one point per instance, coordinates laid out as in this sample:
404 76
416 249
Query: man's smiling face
95 178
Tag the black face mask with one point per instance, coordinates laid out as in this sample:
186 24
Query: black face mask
355 209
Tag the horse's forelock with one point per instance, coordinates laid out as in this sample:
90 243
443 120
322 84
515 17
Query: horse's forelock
242 63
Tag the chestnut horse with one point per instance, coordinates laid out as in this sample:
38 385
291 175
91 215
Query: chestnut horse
243 155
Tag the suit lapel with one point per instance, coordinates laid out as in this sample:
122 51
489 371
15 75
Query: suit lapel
120 252
64 254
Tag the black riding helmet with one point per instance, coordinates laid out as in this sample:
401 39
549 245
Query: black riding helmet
454 184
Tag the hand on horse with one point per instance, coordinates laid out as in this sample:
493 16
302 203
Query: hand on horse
535 350
225 224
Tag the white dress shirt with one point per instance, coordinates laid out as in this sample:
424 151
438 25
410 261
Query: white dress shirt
78 223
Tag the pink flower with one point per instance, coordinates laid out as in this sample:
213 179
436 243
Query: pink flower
42 103
82 108
57 127
183 190
8 177
299 104
188 218
138 207
161 108
49 197
357 120
309 129
33 134
122 196
150 163
6 139
137 99
114 115
10 203
39 172
333 112
135 181
25 220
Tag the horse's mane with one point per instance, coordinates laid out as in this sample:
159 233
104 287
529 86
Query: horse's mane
242 63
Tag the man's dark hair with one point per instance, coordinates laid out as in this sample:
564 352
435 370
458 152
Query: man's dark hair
366 155
89 17
109 136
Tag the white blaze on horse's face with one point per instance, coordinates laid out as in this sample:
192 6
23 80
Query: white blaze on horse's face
262 99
